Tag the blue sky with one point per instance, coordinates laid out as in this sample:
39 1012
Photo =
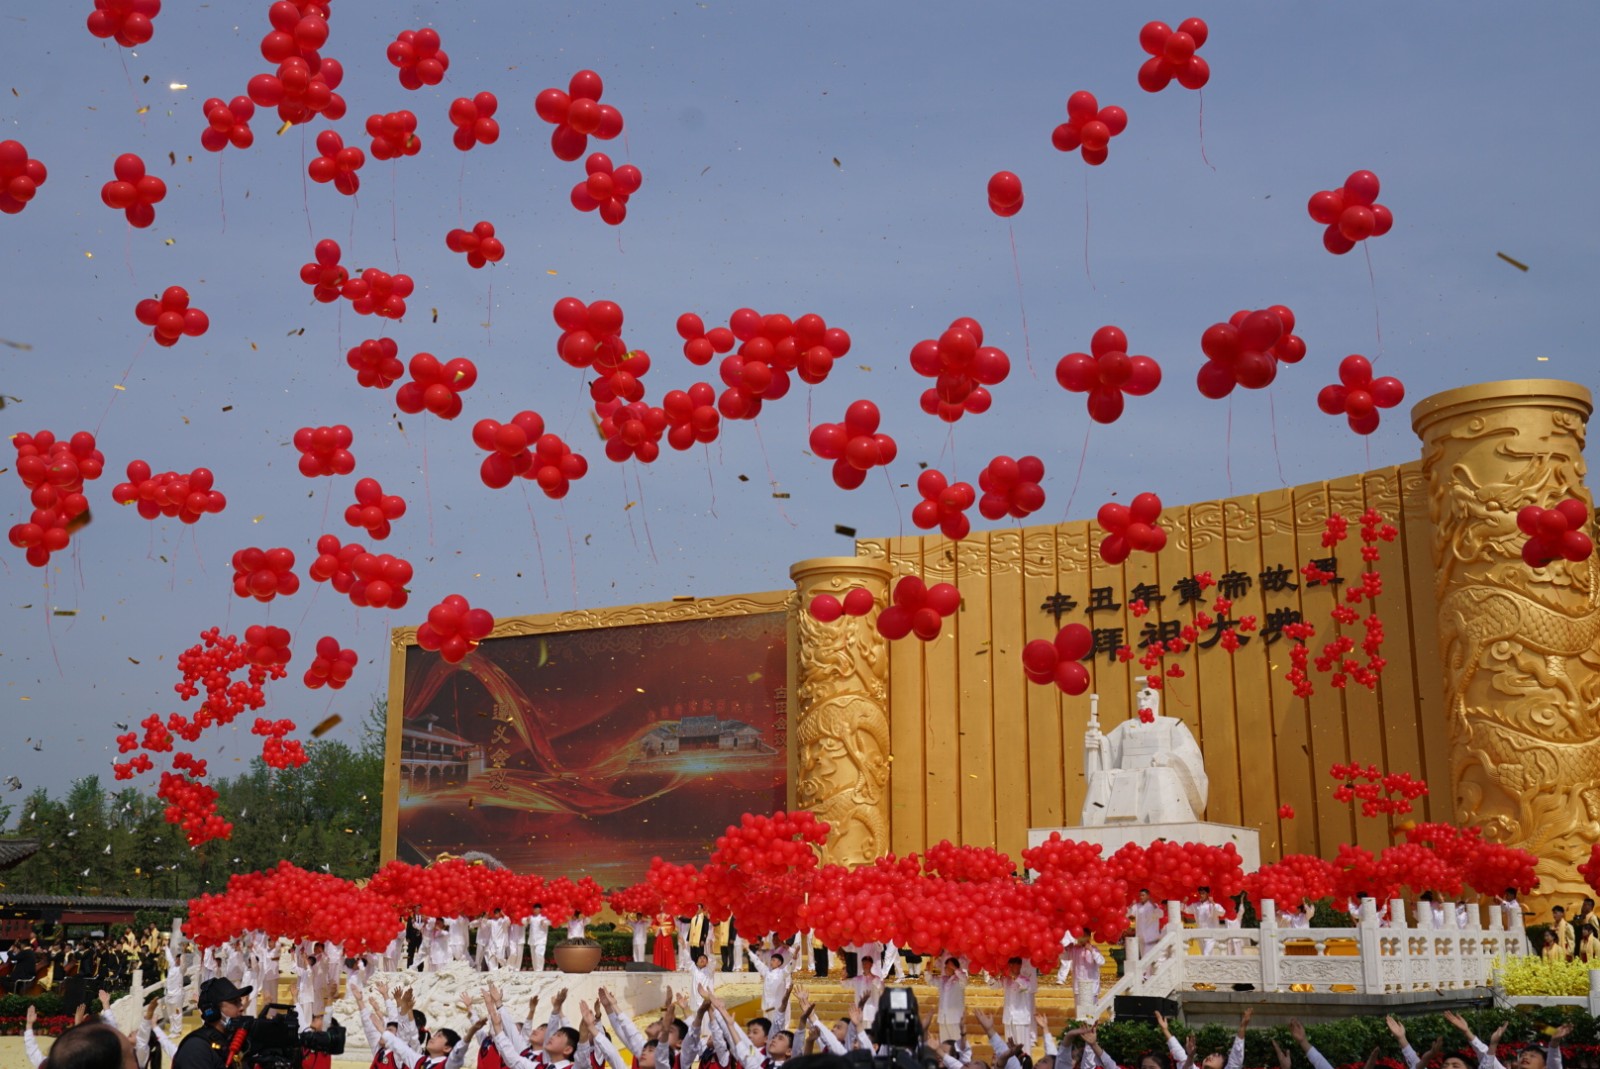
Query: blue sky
826 157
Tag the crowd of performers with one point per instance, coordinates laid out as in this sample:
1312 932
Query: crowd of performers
32 965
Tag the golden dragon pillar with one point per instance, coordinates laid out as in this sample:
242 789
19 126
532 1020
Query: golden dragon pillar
1520 646
841 721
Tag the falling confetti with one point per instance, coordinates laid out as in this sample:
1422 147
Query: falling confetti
326 726
1518 264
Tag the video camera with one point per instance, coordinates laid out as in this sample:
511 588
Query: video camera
276 1041
897 1032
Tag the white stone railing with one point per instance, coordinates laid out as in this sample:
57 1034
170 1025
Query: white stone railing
1367 958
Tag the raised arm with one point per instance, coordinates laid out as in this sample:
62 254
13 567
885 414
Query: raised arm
1236 1052
1313 1055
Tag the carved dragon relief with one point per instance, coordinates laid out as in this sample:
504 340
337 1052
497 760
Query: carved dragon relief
1521 647
842 731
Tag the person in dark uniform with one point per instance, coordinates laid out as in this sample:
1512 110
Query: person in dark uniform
212 1046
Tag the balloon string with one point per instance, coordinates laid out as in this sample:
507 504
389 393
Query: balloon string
1016 265
488 325
394 211
1372 280
627 506
222 194
1228 447
644 514
194 540
461 184
537 542
121 382
355 204
772 479
572 555
1272 411
1203 159
327 499
134 93
316 589
427 487
1086 272
1083 456
706 449
49 627
305 195
127 252
896 499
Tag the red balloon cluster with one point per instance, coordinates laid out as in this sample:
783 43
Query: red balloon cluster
419 57
436 387
1555 533
762 869
266 645
276 750
474 121
944 505
324 275
325 450
263 574
1089 127
1011 487
1130 528
290 903
521 447
1590 870
376 580
1172 55
394 134
606 189
691 415
454 628
1245 351
133 192
1290 882
130 23
20 177
1005 194
211 663
171 318
140 763
1358 396
1351 214
638 898
1173 871
676 888
303 86
376 363
337 163
962 368
187 497
332 667
1107 372
576 114
854 446
373 509
918 609
193 807
479 243
1378 791
591 336
1060 661
378 293
632 430
227 124
826 608
54 470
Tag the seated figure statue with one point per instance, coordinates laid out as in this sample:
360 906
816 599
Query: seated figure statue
1149 770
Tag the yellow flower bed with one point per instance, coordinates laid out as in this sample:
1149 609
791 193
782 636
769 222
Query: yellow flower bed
1535 976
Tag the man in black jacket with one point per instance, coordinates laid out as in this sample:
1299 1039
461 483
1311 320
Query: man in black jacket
212 1046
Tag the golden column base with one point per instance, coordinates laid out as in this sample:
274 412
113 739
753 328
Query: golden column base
1520 646
842 710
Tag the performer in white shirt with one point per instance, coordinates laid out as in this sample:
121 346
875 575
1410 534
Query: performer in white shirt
538 926
436 943
1353 907
951 981
1146 916
1301 916
640 926
516 942
777 977
460 935
577 926
1081 960
865 984
1207 913
1018 985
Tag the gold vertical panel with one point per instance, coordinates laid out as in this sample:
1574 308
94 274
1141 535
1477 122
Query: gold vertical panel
908 800
1294 772
1212 672
1075 546
1180 695
1398 700
1048 761
389 835
1258 801
1002 661
975 712
1325 708
942 745
1432 724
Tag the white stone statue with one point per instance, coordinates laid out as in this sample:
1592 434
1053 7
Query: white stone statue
1142 773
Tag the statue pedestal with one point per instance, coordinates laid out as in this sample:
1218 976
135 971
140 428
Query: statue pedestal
1112 837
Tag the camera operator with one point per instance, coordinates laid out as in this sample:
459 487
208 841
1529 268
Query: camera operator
218 1040
895 1039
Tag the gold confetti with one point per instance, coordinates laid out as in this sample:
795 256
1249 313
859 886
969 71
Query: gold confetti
65 612
26 698
89 255
227 408
284 128
841 529
169 241
436 315
629 505
177 85
132 661
547 270
472 803
253 348
837 164
1542 359
752 677
172 159
639 689
144 110
326 726
1518 264
782 495
864 367
256 519
119 386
